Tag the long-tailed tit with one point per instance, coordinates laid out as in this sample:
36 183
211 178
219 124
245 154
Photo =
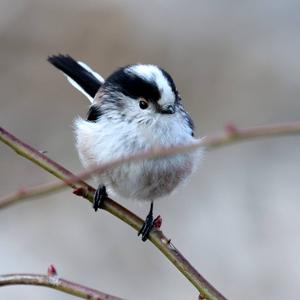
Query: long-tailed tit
136 108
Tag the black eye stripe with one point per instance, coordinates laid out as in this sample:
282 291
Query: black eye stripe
170 81
133 86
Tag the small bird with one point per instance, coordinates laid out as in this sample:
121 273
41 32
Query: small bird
135 109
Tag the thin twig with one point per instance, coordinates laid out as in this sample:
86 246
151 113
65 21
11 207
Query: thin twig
156 236
234 134
56 283
231 135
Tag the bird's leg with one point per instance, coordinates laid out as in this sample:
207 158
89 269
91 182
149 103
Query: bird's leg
99 197
148 224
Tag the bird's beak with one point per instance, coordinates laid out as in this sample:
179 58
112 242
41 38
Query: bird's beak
168 109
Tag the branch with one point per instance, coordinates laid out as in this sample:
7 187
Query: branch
234 134
231 135
53 281
156 236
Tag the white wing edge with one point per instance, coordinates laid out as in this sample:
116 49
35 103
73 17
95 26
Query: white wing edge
97 75
79 88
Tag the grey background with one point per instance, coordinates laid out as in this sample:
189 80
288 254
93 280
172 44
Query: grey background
237 220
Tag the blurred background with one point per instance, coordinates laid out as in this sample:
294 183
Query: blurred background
237 220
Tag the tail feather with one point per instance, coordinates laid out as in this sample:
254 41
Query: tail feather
79 74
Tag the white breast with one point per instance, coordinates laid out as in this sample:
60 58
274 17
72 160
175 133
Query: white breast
143 180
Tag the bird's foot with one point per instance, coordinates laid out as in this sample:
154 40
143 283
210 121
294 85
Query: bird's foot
99 197
146 228
148 225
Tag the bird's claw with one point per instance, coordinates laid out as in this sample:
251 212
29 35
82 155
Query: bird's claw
99 197
147 227
145 230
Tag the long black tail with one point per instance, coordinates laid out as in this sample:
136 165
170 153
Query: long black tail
83 77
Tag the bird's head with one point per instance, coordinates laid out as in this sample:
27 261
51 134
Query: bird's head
140 93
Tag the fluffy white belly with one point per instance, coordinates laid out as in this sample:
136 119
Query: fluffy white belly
151 179
141 180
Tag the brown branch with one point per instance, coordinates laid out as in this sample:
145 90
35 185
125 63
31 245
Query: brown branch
55 282
231 135
234 134
156 236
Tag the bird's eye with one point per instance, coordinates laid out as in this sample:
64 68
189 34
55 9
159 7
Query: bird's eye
143 104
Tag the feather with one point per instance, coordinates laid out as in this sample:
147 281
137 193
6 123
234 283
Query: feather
80 75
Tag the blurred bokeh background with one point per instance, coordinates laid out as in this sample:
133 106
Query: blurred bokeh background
237 220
